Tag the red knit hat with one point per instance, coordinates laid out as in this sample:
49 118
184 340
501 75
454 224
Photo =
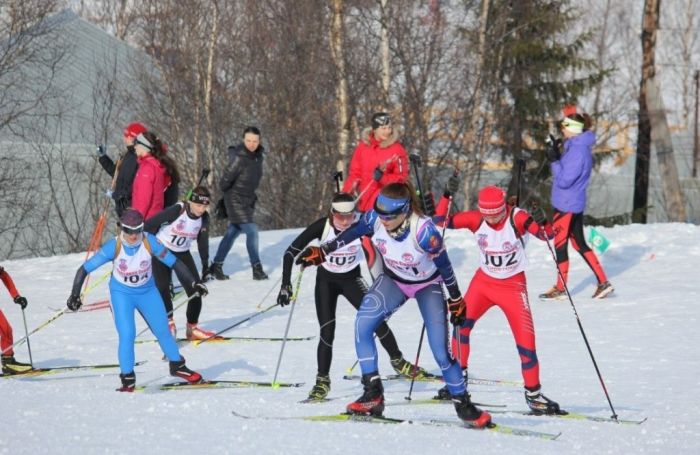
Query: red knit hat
134 129
492 201
569 110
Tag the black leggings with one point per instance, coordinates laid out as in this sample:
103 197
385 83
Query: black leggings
164 278
329 286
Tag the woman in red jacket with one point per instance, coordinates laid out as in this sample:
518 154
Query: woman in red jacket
378 160
155 174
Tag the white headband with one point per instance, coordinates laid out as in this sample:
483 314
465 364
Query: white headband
141 139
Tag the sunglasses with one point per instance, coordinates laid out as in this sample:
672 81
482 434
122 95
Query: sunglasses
390 216
130 230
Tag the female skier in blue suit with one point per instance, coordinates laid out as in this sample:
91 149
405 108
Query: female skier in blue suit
132 287
415 266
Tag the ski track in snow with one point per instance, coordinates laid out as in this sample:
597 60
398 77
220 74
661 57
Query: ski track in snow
644 338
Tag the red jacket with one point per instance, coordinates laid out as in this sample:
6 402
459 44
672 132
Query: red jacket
150 183
368 155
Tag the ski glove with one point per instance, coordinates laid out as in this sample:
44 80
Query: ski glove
378 173
458 310
428 204
198 286
21 301
312 255
553 151
452 186
538 215
74 303
285 295
101 151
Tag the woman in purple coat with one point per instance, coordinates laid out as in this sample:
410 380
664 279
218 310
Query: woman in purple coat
572 171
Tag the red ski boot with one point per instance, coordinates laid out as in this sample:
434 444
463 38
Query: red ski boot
372 400
470 414
128 382
180 370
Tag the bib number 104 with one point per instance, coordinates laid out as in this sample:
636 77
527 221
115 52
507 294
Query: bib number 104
135 279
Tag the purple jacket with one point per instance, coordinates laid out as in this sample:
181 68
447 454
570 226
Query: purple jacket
572 172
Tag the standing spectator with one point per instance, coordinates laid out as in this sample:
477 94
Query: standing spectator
125 168
156 172
9 364
378 159
571 168
238 183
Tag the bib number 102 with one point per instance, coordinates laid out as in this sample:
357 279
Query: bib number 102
497 260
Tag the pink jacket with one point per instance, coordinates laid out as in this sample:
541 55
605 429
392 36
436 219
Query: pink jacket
150 183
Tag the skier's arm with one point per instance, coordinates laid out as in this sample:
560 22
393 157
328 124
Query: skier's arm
165 216
363 226
102 256
397 169
203 240
569 168
431 242
525 223
9 284
312 232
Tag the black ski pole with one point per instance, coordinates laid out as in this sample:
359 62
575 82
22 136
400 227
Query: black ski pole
521 167
416 162
203 175
583 333
337 176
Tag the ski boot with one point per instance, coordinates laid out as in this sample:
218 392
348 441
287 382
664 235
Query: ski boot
128 382
180 370
372 400
444 393
195 332
216 271
603 290
258 273
320 390
12 366
470 414
540 404
553 294
405 368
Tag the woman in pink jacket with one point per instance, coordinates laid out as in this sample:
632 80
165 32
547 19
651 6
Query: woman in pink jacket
378 160
156 172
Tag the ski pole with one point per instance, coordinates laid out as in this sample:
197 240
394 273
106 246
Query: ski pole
26 332
583 334
274 286
202 176
94 284
196 294
26 338
415 364
293 300
264 310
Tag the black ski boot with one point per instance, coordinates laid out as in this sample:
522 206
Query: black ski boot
320 390
12 366
128 382
258 273
540 404
444 393
372 400
216 271
405 368
180 370
470 414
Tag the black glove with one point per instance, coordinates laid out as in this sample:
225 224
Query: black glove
553 151
428 204
74 303
312 255
206 275
452 186
378 174
458 310
284 295
537 214
199 287
101 150
21 301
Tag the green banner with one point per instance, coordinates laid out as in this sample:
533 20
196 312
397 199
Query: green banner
598 240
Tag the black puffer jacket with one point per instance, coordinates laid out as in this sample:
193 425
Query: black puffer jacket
125 178
239 182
